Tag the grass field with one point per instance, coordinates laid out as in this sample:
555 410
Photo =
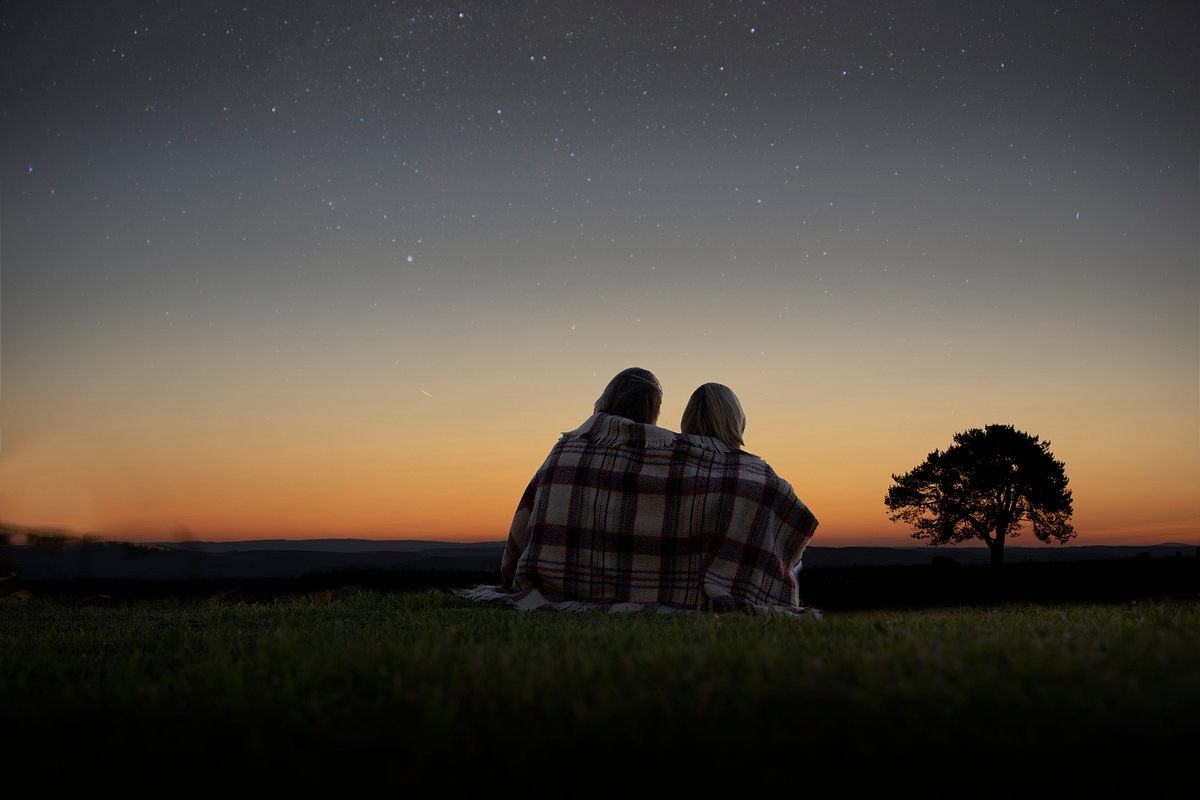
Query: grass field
431 681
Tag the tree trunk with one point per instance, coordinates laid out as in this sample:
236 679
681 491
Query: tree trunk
997 548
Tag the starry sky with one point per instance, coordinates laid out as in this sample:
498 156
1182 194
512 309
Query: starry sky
312 269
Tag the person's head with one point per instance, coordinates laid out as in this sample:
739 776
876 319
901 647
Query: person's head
714 410
634 394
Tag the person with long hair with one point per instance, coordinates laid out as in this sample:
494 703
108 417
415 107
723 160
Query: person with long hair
714 410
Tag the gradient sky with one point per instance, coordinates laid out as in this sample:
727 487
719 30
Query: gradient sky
314 269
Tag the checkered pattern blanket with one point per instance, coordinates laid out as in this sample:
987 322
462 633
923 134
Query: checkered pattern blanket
629 517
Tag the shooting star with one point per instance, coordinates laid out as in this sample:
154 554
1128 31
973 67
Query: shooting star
427 394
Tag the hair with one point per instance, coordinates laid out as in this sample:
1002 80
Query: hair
633 393
714 410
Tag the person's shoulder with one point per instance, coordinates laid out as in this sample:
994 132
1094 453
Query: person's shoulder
585 427
711 443
604 429
757 465
752 462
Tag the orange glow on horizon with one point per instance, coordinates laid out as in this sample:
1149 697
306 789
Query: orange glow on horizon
454 473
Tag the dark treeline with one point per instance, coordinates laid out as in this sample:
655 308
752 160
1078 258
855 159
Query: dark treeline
828 588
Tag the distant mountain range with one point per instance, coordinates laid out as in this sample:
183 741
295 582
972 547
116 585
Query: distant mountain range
284 558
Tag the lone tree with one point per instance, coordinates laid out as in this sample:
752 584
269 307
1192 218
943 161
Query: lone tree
984 487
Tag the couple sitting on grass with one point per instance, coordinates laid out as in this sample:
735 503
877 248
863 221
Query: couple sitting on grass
626 516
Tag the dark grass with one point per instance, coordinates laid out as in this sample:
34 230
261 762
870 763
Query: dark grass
426 684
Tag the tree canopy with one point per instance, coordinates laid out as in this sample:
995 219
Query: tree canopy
985 486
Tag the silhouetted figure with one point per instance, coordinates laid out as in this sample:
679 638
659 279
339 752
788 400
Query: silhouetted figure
714 410
634 394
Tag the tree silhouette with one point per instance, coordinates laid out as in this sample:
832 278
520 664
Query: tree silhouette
984 487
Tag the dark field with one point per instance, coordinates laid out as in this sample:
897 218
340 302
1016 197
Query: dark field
425 684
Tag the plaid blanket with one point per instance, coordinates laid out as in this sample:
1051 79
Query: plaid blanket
629 517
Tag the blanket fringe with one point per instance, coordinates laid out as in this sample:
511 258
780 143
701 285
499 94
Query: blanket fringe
532 599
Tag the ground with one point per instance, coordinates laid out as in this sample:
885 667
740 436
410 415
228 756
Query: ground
433 682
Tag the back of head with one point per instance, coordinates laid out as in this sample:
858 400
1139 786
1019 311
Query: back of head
634 394
714 410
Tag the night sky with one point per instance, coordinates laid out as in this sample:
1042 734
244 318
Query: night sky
317 269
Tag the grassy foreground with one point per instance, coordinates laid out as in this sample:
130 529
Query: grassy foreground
431 681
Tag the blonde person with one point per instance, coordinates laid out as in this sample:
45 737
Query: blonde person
714 411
